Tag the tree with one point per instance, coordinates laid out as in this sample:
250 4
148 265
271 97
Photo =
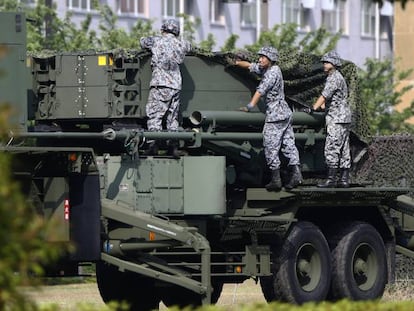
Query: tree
189 29
112 37
66 36
230 44
207 45
380 93
70 38
23 252
286 38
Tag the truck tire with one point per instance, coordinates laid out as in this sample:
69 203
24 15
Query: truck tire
182 297
304 268
137 291
391 260
268 290
359 263
267 282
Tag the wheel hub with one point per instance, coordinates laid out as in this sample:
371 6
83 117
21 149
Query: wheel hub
304 267
308 267
365 266
360 266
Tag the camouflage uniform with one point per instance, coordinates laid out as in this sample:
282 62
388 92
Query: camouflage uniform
168 53
338 121
277 131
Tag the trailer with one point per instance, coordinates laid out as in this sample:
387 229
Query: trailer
174 230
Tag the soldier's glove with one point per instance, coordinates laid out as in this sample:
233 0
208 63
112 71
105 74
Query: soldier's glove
231 61
242 55
247 108
308 110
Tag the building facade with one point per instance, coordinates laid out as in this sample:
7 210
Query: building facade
404 49
367 29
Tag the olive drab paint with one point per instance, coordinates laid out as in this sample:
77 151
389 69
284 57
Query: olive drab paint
179 227
14 73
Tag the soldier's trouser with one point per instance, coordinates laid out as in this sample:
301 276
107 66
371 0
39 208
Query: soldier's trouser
162 109
279 136
337 153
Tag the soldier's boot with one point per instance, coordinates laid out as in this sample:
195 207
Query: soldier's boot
152 148
275 183
330 181
344 179
295 177
173 149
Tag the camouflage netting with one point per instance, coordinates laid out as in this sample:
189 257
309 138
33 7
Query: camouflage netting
388 161
303 75
304 80
404 268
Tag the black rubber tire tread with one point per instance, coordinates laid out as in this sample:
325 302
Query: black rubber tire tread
391 260
182 297
139 292
343 245
268 290
286 284
267 282
217 289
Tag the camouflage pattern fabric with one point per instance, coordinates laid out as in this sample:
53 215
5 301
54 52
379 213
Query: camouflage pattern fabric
279 137
162 109
168 53
336 94
333 58
386 161
271 87
304 80
171 26
338 120
270 52
337 152
389 161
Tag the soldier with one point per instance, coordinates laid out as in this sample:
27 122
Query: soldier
163 105
338 122
277 131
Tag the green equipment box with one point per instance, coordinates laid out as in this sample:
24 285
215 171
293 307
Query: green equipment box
87 86
13 70
189 185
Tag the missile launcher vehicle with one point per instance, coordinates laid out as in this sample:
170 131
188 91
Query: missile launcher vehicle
160 228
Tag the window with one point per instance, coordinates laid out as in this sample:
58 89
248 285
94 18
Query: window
28 2
171 8
248 13
386 26
216 12
293 12
334 20
82 5
367 18
135 7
